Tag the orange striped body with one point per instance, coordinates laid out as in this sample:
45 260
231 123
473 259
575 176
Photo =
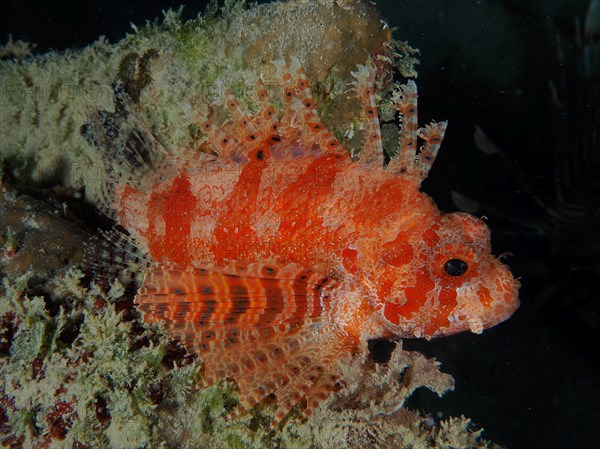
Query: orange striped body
306 210
281 254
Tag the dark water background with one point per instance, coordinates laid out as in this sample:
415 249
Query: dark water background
531 382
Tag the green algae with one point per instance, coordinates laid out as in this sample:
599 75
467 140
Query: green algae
104 363
47 98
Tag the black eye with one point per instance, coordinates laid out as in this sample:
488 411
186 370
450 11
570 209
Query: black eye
456 267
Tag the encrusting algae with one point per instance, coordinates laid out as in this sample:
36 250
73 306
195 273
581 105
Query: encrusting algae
81 366
46 99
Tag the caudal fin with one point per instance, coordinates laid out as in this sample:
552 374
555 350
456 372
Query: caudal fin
130 153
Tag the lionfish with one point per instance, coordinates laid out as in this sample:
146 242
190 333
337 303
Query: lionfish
276 254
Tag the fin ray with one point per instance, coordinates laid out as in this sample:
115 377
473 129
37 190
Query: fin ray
252 295
113 254
131 153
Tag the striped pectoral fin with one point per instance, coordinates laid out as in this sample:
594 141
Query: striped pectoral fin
223 312
248 295
259 324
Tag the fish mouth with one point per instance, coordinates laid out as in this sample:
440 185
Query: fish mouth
507 289
506 308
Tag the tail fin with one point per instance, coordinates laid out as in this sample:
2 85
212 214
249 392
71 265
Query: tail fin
131 153
112 255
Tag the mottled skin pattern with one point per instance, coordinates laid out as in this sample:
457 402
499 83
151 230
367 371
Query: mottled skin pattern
281 254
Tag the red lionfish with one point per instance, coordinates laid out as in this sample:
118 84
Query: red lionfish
278 254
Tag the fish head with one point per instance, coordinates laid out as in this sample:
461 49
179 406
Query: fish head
440 278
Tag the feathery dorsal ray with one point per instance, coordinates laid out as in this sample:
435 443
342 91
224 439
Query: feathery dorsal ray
364 85
300 115
407 161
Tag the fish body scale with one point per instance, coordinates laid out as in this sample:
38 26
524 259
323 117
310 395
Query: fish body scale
296 216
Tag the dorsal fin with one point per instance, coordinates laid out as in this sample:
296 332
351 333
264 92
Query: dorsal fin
364 85
244 133
408 161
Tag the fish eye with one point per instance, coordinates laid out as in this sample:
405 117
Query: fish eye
456 267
